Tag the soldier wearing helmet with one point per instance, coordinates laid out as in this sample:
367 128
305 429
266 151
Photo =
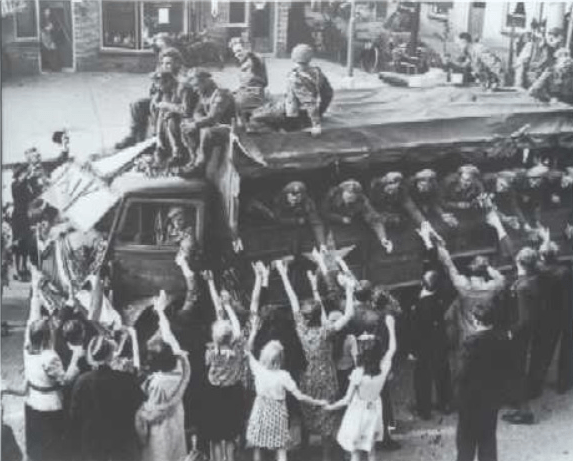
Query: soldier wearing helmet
347 203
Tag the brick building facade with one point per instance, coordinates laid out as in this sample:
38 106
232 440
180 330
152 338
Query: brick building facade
114 35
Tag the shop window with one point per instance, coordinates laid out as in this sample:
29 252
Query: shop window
440 10
160 17
132 25
235 13
25 19
119 25
516 15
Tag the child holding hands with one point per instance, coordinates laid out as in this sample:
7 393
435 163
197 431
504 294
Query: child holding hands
268 424
362 425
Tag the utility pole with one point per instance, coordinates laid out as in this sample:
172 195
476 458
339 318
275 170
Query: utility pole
351 31
569 42
415 32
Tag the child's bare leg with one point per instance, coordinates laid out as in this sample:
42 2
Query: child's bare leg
257 454
355 456
230 450
281 454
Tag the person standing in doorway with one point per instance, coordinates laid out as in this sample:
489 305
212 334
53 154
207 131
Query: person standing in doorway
51 60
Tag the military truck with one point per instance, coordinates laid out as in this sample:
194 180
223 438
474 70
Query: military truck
365 134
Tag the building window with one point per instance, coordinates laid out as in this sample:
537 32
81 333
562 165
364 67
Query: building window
160 17
516 15
25 19
132 25
440 10
119 22
234 13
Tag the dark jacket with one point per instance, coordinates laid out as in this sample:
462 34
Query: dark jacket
555 289
526 297
102 415
483 378
429 327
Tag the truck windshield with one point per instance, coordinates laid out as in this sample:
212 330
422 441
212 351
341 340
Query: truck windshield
157 222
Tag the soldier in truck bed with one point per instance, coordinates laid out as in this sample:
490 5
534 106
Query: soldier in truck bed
346 203
461 190
390 197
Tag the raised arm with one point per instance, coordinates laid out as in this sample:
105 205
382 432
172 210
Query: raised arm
349 307
208 276
167 335
293 299
458 280
35 304
313 279
235 324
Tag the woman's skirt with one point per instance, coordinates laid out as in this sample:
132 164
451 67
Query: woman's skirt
224 412
44 435
268 424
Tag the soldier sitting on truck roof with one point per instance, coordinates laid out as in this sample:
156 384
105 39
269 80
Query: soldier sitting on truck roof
307 97
391 199
253 80
209 126
556 82
293 206
346 203
426 195
170 60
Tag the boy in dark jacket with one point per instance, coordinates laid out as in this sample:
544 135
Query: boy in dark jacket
481 384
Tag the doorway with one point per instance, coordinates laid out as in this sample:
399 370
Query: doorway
57 36
262 26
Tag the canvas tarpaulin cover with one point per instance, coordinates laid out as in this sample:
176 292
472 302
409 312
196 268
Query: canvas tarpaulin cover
385 125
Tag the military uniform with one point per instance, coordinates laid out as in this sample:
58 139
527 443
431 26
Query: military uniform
396 207
308 96
485 65
253 81
215 109
535 57
458 198
505 202
428 202
336 211
555 82
303 213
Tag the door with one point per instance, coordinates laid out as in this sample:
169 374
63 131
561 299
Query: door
56 28
262 26
477 15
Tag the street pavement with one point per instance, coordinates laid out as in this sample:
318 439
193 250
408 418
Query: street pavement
548 440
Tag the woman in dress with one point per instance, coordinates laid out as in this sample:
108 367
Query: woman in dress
362 424
316 334
160 419
45 378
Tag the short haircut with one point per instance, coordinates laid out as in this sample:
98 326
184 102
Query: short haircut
528 258
465 36
161 357
39 333
73 332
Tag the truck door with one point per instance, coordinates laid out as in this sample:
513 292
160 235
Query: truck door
145 245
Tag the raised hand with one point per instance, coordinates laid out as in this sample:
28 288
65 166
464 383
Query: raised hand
313 279
207 275
161 302
450 220
388 245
